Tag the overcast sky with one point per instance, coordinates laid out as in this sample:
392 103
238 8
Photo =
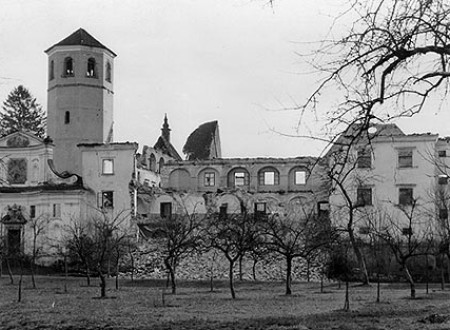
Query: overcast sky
234 61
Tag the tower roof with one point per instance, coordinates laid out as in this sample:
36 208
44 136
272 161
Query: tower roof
81 38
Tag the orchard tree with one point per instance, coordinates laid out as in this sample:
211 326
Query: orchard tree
296 236
20 111
178 236
391 60
234 236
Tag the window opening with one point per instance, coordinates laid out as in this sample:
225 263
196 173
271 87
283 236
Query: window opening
52 70
108 199
405 196
91 68
364 196
166 210
68 66
405 158
108 72
210 178
300 177
67 117
364 159
108 166
32 211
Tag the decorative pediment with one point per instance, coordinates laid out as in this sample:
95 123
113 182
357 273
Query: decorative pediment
20 139
14 216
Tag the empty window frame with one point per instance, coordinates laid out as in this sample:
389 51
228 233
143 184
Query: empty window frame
165 210
269 177
108 166
68 67
107 199
364 159
67 117
405 196
405 158
32 211
241 178
442 153
407 231
91 68
299 177
443 214
442 179
209 179
364 196
152 163
56 210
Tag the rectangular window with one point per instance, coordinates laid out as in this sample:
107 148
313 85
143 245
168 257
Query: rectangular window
165 210
239 179
269 178
300 177
32 211
405 158
443 214
407 231
364 196
107 199
364 159
223 211
405 196
56 211
323 210
442 179
210 179
107 166
260 210
442 153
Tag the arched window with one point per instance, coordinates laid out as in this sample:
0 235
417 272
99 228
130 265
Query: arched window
108 72
68 66
152 163
269 176
67 117
161 164
91 68
51 73
238 177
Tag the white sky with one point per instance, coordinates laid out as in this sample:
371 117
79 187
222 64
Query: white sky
196 60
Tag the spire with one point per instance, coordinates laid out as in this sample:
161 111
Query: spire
165 130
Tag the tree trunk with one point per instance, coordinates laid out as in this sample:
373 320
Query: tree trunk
288 275
33 280
132 267
254 269
347 297
102 284
359 256
427 274
230 274
66 273
19 299
308 275
411 282
10 274
117 276
88 277
378 287
442 273
241 275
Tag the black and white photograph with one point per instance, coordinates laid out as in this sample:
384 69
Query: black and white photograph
224 164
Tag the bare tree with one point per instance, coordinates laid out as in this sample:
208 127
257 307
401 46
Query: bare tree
406 239
233 236
80 244
177 236
38 227
388 62
296 236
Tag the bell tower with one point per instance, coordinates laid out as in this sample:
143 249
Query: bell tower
79 97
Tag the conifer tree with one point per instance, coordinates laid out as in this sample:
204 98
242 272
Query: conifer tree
20 111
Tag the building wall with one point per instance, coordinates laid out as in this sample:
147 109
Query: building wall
385 178
99 181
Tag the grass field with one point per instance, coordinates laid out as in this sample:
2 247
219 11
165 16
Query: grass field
147 305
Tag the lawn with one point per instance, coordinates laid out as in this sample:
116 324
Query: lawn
145 304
